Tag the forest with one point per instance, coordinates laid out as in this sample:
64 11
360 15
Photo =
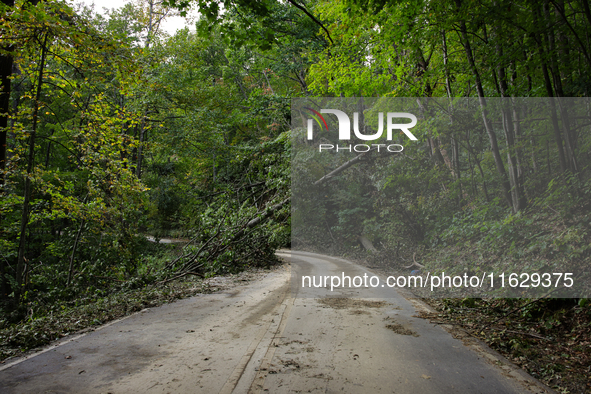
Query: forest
113 131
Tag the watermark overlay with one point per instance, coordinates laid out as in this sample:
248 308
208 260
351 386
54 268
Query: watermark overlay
441 281
354 161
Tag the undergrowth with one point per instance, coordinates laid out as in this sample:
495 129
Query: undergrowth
552 235
64 318
549 338
48 322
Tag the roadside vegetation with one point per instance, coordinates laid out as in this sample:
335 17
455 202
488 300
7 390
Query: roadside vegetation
548 338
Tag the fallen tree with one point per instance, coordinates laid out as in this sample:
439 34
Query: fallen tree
238 238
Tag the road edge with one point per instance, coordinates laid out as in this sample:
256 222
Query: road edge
493 357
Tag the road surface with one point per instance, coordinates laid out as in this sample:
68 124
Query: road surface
271 336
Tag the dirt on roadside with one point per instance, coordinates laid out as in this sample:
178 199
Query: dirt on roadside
85 315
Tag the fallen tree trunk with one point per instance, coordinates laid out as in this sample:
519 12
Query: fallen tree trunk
338 170
415 264
367 244
213 249
260 219
215 246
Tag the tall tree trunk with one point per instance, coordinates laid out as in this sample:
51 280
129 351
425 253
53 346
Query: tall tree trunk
542 39
569 140
6 62
434 142
454 142
506 188
30 164
570 158
552 53
518 131
565 47
517 196
586 9
142 130
445 66
455 151
140 148
75 247
472 181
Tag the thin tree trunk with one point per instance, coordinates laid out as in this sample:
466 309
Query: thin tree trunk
559 8
48 151
516 189
76 241
471 152
456 165
445 66
30 164
472 182
506 188
554 69
140 148
6 72
142 131
550 93
569 138
6 62
548 159
454 142
534 162
517 196
570 158
268 82
586 10
517 127
569 154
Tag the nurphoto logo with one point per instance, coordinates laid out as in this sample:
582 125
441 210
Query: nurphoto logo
345 129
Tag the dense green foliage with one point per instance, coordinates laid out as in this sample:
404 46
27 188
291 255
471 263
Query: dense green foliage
116 131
